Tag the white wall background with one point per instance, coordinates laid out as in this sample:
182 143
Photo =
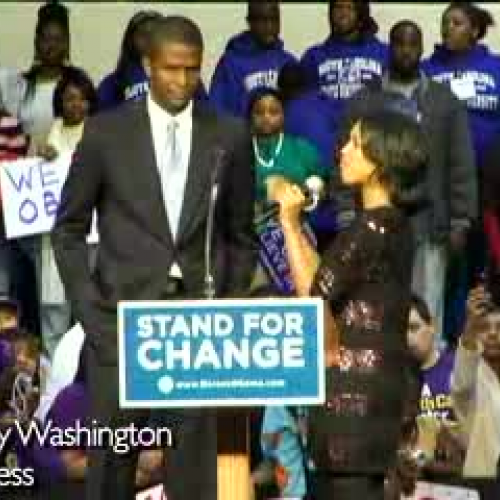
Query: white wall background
96 28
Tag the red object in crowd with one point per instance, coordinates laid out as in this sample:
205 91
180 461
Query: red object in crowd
492 230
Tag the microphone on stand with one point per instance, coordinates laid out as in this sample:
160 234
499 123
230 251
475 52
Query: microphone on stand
218 160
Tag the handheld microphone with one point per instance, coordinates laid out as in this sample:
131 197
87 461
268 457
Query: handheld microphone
313 190
219 155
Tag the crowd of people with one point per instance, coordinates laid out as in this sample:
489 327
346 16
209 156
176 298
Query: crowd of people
404 242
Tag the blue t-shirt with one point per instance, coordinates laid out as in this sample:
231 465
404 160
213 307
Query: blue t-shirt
474 77
284 446
244 67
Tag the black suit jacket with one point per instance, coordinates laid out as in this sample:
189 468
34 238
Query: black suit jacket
114 171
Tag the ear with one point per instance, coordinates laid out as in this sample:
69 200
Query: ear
433 327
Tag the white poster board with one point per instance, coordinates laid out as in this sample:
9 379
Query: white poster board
432 491
31 191
154 493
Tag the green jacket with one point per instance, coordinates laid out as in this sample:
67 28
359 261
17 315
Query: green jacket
296 160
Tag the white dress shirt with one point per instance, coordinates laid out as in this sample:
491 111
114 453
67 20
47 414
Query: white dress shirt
173 177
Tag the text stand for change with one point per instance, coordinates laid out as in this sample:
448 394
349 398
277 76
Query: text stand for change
226 354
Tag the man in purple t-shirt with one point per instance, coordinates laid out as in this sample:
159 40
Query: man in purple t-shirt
436 367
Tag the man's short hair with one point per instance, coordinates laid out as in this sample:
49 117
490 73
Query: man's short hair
422 309
404 23
177 29
254 7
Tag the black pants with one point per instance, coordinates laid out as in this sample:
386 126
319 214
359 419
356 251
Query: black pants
348 487
191 467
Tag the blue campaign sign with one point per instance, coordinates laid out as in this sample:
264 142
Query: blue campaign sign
221 353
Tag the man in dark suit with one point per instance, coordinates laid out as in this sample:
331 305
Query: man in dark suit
148 169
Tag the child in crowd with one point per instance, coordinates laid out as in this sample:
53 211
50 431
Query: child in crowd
252 59
74 100
27 357
275 152
276 155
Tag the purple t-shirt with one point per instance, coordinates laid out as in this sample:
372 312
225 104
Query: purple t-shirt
435 398
6 356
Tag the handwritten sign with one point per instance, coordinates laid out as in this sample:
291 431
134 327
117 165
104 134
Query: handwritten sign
221 353
31 191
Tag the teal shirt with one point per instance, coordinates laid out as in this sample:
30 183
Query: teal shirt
278 423
297 160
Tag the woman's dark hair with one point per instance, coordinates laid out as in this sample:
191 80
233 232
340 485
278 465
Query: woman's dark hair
367 25
421 307
395 144
50 13
78 78
129 56
480 18
259 93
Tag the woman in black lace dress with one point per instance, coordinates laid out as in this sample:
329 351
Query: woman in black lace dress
365 276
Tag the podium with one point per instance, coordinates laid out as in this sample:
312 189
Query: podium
233 454
234 354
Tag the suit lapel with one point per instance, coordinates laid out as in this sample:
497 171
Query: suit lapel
149 177
198 179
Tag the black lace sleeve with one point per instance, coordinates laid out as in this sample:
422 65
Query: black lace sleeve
349 258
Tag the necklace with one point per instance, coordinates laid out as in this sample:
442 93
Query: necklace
268 163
